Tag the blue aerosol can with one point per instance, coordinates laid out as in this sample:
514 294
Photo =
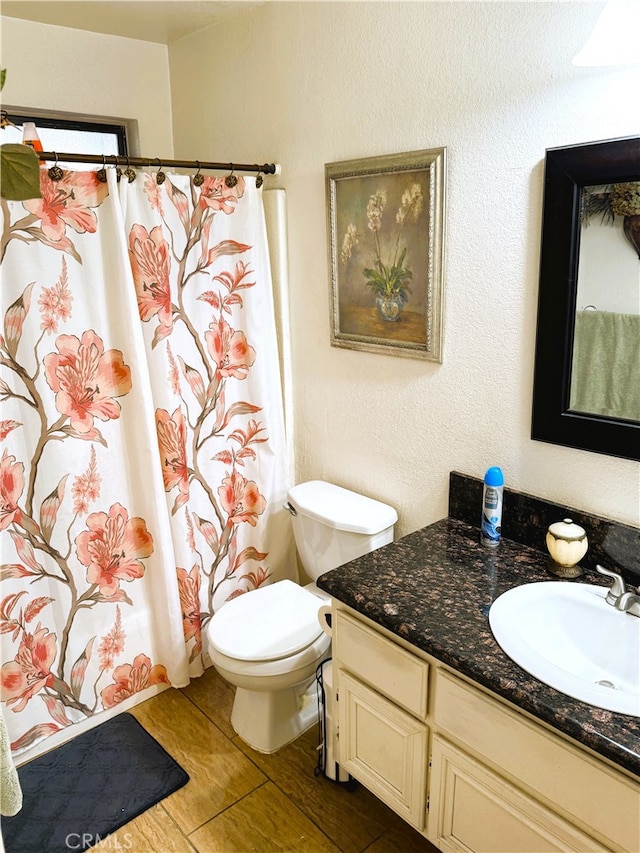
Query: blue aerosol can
491 524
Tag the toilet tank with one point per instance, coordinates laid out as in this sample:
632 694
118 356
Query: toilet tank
333 525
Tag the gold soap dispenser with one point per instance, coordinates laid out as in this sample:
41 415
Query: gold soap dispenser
567 544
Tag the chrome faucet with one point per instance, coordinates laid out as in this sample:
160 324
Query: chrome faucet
618 596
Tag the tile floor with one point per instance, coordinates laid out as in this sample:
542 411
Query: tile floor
238 800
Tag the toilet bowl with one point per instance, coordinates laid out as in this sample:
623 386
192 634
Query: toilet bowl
270 641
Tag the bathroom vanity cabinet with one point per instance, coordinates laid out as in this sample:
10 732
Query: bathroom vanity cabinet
382 711
468 769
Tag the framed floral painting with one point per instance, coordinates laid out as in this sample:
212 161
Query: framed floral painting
386 239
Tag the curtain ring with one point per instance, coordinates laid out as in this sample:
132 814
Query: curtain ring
198 179
55 172
118 170
129 172
231 179
259 179
101 174
4 120
160 175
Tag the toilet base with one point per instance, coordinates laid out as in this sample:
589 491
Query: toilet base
267 720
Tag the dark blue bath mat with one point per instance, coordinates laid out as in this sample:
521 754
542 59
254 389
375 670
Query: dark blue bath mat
88 788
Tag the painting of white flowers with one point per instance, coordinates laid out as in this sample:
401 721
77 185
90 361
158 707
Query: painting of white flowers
386 236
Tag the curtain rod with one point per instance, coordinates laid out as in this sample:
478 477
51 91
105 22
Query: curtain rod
124 160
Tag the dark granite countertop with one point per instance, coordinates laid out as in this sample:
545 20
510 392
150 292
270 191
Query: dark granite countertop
434 588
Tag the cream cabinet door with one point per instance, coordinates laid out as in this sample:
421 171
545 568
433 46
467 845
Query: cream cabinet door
474 809
383 747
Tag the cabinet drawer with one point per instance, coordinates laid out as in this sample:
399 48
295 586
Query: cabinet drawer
388 668
473 808
383 747
606 803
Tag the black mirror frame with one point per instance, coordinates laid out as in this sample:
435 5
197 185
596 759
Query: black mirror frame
567 171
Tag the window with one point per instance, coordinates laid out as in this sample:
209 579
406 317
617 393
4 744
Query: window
69 135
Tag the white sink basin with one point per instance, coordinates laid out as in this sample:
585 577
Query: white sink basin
566 635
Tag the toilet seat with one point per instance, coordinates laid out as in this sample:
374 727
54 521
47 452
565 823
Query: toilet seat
273 674
268 624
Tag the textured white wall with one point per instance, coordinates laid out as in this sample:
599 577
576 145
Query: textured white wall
306 83
58 68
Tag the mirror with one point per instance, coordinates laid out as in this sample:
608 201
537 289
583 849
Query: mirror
586 391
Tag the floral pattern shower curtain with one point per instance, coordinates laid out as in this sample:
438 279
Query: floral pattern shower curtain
142 473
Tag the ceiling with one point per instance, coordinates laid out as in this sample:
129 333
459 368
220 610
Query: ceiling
161 21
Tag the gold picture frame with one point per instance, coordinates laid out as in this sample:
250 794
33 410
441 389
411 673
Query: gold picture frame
386 246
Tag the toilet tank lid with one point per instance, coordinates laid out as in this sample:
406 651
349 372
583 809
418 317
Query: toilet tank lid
340 508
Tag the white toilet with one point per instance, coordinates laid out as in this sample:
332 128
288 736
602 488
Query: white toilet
269 642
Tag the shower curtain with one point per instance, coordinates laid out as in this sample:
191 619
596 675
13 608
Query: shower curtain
143 458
